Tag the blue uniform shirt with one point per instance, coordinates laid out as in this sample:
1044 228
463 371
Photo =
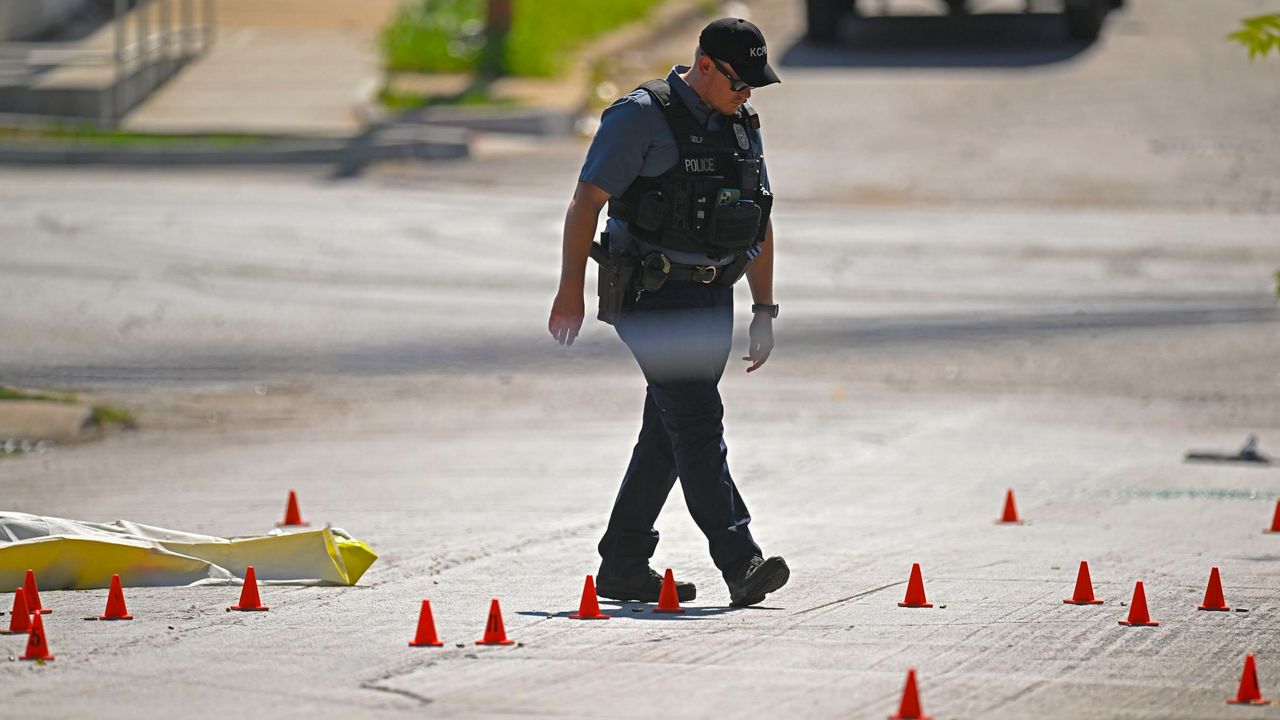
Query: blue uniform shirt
634 140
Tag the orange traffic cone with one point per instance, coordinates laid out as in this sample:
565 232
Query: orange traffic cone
20 618
494 632
1010 514
915 590
1084 588
426 636
292 518
589 607
115 602
1275 519
910 707
1213 599
33 595
249 593
1138 616
37 644
668 600
1249 694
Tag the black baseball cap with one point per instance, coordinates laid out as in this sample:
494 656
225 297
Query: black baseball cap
741 44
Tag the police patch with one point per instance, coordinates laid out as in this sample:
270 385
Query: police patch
744 142
700 165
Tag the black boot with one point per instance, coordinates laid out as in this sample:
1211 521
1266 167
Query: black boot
643 586
758 578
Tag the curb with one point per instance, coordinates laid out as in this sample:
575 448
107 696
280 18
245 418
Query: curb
423 143
523 121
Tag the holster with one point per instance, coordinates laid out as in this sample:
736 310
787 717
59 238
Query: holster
734 271
615 284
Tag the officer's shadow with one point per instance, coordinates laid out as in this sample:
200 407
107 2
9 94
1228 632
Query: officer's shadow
645 611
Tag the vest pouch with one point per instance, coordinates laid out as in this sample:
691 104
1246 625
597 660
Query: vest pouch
749 171
734 226
652 211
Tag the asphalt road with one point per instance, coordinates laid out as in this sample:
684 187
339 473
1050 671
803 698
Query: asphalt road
379 344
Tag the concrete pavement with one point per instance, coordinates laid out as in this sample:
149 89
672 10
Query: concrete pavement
287 68
914 480
379 344
335 338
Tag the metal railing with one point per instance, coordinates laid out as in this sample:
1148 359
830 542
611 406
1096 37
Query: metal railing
152 57
149 41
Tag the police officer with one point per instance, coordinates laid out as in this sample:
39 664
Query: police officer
681 165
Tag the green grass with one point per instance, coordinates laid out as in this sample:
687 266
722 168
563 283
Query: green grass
447 35
473 97
544 33
10 393
90 134
104 415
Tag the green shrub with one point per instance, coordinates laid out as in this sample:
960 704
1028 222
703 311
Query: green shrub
435 36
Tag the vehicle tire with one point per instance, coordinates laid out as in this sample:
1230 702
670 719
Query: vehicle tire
823 18
1084 18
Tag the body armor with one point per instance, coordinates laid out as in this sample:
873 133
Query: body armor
710 201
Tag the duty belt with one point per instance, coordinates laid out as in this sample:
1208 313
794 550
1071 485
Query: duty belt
705 274
656 269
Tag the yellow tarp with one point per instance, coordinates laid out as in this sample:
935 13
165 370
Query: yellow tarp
74 555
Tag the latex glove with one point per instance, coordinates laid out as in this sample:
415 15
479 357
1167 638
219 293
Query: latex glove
761 341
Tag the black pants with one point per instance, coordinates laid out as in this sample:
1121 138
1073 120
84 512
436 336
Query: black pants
681 337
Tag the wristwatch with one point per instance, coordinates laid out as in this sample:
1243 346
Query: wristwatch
759 308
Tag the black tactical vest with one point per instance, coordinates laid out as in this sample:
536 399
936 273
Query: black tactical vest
710 201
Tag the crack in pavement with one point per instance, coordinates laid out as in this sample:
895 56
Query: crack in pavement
847 599
420 699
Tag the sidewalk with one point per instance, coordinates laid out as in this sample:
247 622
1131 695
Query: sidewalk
290 67
311 68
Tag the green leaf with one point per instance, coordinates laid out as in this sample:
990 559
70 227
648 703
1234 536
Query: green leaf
1259 34
1262 22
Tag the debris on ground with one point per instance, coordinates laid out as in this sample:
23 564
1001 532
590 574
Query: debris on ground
77 555
1247 454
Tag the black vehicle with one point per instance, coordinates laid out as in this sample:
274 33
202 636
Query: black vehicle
1084 18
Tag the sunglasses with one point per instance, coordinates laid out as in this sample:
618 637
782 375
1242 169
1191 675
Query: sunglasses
735 84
